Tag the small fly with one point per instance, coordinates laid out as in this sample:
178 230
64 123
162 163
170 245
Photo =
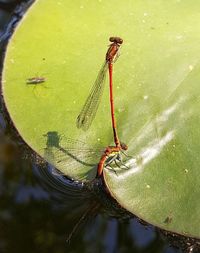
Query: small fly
36 83
35 80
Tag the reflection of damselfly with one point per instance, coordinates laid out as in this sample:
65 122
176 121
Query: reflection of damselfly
65 152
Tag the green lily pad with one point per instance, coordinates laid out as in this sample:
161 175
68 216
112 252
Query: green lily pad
156 83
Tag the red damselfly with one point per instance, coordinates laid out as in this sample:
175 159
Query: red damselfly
65 152
88 112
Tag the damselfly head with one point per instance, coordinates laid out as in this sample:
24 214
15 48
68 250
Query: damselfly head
123 146
117 40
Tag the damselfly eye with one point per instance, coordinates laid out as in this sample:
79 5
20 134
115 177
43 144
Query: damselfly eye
119 40
123 146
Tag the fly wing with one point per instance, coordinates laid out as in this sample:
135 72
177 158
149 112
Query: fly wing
88 112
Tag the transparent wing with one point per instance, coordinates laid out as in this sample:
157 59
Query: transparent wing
88 112
68 154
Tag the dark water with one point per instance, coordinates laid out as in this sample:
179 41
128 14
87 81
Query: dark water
38 212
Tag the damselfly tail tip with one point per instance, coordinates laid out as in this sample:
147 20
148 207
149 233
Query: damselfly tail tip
68 240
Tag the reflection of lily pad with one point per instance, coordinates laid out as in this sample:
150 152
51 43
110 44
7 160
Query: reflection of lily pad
156 88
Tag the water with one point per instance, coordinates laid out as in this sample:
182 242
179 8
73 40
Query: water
38 211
